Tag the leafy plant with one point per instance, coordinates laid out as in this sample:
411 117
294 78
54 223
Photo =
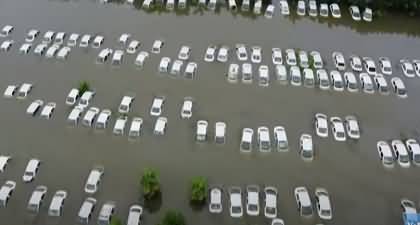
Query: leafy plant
199 189
173 217
115 221
83 87
150 183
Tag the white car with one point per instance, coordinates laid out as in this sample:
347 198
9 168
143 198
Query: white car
317 60
337 128
399 87
25 48
90 116
86 99
303 201
104 54
416 64
135 127
284 5
256 54
186 110
223 54
133 46
381 84
156 108
247 73
323 203
246 140
301 8
369 65
303 59
57 203
117 57
134 215
306 147
210 53
413 149
321 125
236 208
4 160
184 53
164 64
323 10
350 82
252 200
6 30
103 119
336 80
125 104
176 67
219 132
160 126
36 199
86 210
339 61
385 153
215 205
276 56
322 79
277 221
335 10
257 7
356 63
123 39
368 15
85 41
157 46
6 45
241 52
233 73
31 35
119 125
308 77
263 139
34 107
106 213
295 76
355 13
190 70
59 38
24 90
74 115
201 132
48 110
269 11
31 170
313 9
280 138
291 57
352 127
72 41
63 53
281 73
6 192
93 180
263 76
366 83
48 37
407 68
141 57
385 65
400 153
10 91
52 50
97 41
270 200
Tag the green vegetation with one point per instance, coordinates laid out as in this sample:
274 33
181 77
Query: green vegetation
173 217
150 183
199 190
83 87
115 221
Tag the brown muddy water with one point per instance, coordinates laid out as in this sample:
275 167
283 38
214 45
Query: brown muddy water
362 191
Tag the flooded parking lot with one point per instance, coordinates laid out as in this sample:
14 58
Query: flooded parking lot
362 190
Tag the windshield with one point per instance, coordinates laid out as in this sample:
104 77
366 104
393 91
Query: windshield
388 160
324 82
155 110
338 84
309 81
124 107
384 89
83 102
356 14
325 212
29 174
340 134
354 132
90 186
336 11
246 145
252 207
236 209
70 99
265 145
307 154
282 144
292 61
323 130
372 69
306 210
296 78
416 158
401 91
242 55
404 158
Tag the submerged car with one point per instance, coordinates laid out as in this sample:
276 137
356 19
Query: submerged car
355 12
399 87
400 153
352 127
303 201
321 125
323 203
215 205
337 128
385 153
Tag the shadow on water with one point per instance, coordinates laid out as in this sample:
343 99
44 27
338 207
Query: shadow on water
152 205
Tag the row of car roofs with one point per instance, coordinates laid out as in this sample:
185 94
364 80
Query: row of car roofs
404 153
56 206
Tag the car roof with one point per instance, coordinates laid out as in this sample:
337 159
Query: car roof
120 123
157 102
161 123
216 196
126 100
86 207
247 134
25 87
202 127
32 165
220 128
103 116
264 133
400 147
5 189
324 202
37 195
415 147
106 210
136 124
306 142
304 196
187 105
75 113
398 82
57 200
280 133
94 176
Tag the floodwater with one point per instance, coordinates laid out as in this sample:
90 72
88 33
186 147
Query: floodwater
362 190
